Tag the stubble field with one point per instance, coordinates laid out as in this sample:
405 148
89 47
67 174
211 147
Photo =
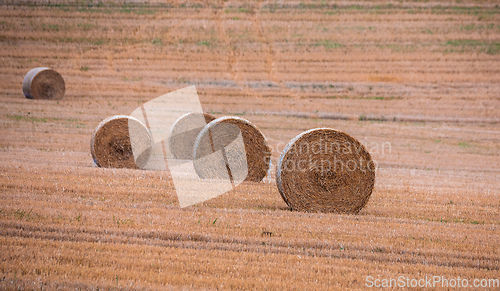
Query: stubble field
418 83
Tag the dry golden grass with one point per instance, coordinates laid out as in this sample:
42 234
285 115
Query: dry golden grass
417 83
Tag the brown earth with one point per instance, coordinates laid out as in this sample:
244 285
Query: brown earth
417 82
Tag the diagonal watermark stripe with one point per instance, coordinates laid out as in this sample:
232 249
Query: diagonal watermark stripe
220 163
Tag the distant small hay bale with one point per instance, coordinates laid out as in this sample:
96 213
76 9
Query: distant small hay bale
43 83
219 133
111 147
184 133
325 170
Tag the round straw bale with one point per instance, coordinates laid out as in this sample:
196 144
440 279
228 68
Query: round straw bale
43 83
111 144
325 170
218 134
184 132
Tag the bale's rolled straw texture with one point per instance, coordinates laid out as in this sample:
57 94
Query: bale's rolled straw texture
256 149
43 83
111 146
184 133
325 170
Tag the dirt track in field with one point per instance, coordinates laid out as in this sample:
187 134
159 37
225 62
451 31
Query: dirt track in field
417 83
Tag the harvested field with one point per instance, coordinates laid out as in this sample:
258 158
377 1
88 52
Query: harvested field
418 83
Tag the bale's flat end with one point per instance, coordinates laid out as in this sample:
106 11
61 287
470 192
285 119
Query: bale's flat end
325 170
111 146
44 83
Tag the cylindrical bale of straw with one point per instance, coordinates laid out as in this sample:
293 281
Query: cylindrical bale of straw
43 83
325 170
111 145
184 132
219 133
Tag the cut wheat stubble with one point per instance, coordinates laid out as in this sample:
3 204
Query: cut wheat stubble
325 170
43 83
111 146
220 133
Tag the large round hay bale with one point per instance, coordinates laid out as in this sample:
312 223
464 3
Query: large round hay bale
219 134
43 83
111 145
325 170
184 133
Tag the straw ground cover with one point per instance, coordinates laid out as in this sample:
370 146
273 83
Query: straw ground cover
417 84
